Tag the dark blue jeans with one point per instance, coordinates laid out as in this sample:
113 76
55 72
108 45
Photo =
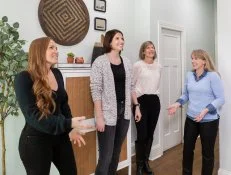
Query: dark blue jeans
208 133
110 142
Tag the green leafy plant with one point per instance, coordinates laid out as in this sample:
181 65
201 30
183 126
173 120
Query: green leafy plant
12 60
70 54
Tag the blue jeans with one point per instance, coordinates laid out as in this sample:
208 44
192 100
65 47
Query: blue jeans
110 142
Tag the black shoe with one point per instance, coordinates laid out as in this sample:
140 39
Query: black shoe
139 168
147 169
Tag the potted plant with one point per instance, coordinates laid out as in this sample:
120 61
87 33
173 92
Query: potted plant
12 61
70 57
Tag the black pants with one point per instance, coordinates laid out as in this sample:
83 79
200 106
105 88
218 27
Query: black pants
208 133
150 109
38 151
110 142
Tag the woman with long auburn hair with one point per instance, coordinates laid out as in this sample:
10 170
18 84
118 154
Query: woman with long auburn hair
49 125
205 94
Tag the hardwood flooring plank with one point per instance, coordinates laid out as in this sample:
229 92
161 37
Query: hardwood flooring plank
170 162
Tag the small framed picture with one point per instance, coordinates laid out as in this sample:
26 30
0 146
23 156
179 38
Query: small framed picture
100 5
100 24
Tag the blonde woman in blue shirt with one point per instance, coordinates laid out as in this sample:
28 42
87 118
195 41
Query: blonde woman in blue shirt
205 94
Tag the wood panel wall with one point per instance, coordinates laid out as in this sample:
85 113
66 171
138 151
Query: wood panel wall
78 89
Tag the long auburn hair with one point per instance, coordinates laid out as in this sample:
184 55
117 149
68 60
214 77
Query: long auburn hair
37 68
203 55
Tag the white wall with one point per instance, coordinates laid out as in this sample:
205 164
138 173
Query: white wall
141 24
119 15
141 29
224 62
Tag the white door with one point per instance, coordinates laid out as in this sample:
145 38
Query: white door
170 59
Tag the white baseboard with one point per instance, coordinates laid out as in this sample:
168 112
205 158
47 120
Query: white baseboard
156 152
223 172
133 151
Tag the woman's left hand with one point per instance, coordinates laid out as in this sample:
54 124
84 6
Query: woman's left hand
75 137
137 114
201 115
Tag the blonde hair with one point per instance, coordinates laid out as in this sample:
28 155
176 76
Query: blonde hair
38 71
143 47
203 55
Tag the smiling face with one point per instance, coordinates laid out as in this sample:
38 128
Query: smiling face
52 53
117 42
198 63
149 51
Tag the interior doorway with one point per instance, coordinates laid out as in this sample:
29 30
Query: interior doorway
171 53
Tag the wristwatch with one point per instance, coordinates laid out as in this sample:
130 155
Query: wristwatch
137 105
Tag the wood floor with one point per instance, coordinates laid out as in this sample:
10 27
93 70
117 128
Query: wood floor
170 162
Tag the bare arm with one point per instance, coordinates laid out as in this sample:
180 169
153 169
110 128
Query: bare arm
100 123
136 106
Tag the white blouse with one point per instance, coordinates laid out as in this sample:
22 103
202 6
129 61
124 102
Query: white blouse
146 77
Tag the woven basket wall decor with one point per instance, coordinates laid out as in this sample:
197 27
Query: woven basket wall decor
65 21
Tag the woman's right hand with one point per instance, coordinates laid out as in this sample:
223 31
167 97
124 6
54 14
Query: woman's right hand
172 108
100 124
75 137
77 123
137 114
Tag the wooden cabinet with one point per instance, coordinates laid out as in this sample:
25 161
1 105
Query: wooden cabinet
77 84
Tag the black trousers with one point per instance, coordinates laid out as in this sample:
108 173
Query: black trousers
150 109
38 151
208 133
110 142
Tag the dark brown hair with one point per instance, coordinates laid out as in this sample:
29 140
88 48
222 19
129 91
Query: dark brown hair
143 47
37 68
108 39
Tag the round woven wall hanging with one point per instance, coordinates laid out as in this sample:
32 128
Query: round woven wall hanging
65 21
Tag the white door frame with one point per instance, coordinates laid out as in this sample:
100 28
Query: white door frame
170 26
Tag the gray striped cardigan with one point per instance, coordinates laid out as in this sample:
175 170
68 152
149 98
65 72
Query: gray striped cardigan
103 88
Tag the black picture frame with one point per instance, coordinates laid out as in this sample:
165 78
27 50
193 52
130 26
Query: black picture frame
100 24
100 5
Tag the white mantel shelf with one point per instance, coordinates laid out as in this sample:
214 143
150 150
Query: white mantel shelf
73 65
